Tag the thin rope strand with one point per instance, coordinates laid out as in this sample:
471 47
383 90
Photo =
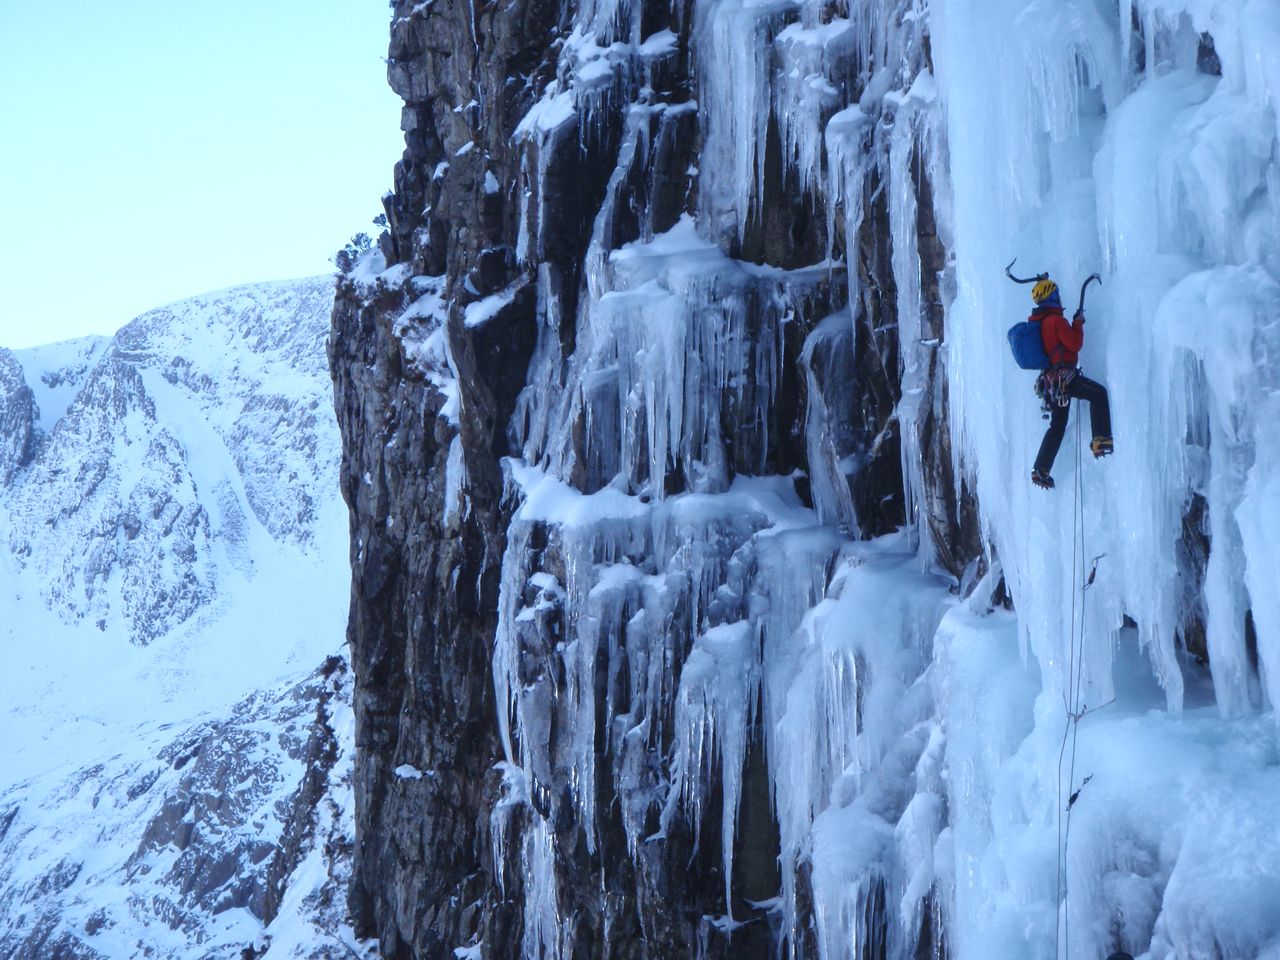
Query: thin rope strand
1071 705
1062 749
1073 719
1078 681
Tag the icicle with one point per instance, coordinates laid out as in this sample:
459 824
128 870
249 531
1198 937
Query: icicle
832 498
712 723
847 141
843 674
734 47
542 922
1126 40
816 65
903 141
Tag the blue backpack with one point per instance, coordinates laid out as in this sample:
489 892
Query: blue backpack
1027 347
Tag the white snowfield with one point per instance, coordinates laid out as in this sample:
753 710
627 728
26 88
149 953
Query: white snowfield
174 571
921 743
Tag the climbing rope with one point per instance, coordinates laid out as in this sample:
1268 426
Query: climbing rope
1075 710
1071 702
1052 390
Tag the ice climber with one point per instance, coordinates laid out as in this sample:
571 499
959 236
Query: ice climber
1062 381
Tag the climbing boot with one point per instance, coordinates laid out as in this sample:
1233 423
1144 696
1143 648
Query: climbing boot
1102 447
1041 479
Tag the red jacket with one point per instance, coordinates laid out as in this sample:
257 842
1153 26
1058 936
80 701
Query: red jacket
1061 340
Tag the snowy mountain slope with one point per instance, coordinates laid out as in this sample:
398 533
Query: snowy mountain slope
202 416
184 843
55 372
732 247
174 574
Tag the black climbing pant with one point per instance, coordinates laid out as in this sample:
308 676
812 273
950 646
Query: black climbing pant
1081 388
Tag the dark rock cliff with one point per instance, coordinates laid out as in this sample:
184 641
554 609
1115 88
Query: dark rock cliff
559 816
17 412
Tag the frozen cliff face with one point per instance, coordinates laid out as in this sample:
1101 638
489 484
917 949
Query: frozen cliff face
694 549
613 416
175 768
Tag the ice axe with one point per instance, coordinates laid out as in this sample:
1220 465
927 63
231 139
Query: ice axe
1083 287
1007 273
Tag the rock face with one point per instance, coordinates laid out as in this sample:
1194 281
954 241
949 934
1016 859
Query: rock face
205 828
17 410
622 360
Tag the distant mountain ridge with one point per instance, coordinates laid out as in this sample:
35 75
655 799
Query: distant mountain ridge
193 431
175 723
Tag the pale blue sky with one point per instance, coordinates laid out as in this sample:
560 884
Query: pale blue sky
155 149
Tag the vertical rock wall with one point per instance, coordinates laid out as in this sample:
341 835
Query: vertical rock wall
626 371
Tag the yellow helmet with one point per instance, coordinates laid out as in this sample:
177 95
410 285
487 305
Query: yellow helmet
1043 290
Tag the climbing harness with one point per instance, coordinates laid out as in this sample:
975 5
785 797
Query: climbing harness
1051 388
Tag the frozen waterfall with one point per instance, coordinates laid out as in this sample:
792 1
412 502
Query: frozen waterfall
732 581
